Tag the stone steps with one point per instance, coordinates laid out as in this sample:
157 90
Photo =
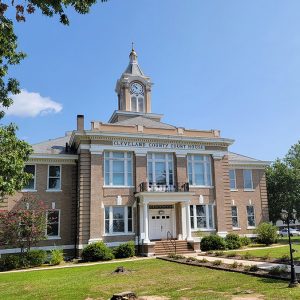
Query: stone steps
166 247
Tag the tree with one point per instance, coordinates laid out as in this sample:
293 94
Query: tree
13 155
25 225
283 185
8 40
293 156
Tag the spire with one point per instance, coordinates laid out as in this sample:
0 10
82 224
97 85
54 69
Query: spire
133 67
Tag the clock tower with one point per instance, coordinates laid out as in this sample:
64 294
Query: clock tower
134 93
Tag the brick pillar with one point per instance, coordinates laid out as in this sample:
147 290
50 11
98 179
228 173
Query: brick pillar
263 195
222 195
96 212
181 169
140 169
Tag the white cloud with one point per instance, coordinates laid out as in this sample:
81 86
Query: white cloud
27 104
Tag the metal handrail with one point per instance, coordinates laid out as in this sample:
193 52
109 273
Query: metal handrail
172 240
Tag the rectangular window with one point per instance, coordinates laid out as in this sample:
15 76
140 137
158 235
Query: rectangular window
118 219
202 217
53 226
248 183
30 169
118 168
199 170
251 216
160 169
232 178
54 178
234 216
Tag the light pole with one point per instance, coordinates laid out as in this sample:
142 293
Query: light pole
287 217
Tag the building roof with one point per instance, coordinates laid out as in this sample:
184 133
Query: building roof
133 67
147 122
238 159
53 146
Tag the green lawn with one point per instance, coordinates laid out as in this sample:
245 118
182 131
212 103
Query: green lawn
148 278
272 252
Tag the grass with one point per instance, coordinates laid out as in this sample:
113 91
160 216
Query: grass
272 252
148 278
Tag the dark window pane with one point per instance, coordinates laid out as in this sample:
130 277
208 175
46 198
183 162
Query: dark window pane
54 171
106 226
52 229
30 169
54 183
118 226
129 225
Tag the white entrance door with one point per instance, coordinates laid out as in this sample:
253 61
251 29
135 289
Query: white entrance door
160 222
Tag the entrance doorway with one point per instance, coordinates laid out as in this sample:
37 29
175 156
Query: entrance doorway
160 222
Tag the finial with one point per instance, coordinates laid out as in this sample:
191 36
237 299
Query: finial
132 46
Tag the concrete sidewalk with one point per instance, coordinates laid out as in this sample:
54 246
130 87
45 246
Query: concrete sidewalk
260 264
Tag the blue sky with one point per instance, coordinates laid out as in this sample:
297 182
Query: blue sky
228 65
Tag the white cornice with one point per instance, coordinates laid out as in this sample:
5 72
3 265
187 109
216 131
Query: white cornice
53 158
249 164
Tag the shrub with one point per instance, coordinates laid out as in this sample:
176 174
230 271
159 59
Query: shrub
253 268
212 242
219 253
245 241
217 262
285 257
234 265
247 255
9 262
125 250
96 251
203 260
191 259
278 270
35 258
231 254
266 257
266 233
57 256
233 241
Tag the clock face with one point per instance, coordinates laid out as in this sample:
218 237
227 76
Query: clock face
136 88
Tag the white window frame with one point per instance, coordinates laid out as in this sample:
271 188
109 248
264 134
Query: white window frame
207 170
34 178
138 99
237 217
53 237
234 173
126 232
125 160
207 228
250 226
151 157
48 177
251 172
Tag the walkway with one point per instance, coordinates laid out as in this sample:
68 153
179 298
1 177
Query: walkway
260 264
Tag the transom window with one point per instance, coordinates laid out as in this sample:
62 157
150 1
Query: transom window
199 170
118 168
54 178
248 182
202 217
30 169
160 169
53 223
234 216
118 219
250 216
232 179
137 104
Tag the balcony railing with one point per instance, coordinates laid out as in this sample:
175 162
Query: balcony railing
154 187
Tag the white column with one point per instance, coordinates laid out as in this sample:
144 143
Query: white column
146 223
188 221
183 220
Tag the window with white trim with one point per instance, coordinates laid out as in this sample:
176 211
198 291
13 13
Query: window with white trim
199 170
248 182
160 169
202 217
53 223
250 216
54 177
234 217
118 219
232 178
30 169
137 104
118 168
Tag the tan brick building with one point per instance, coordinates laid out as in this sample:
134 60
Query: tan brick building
137 178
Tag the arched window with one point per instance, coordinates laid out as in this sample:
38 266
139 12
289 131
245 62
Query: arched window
137 104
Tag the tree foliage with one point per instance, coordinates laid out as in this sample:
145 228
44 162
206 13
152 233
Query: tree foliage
13 155
283 184
25 225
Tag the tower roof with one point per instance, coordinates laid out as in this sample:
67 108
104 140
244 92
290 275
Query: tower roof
133 67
